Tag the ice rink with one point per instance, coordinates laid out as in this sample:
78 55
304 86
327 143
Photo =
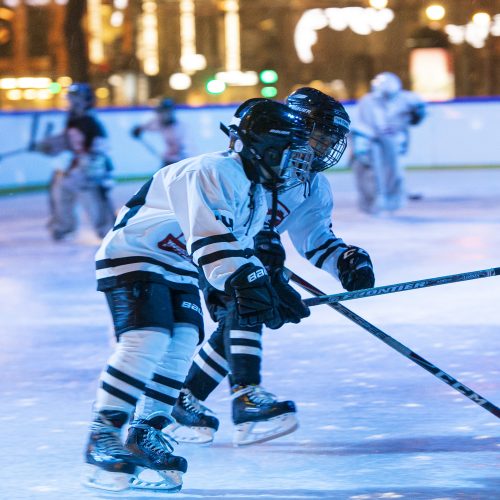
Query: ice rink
373 425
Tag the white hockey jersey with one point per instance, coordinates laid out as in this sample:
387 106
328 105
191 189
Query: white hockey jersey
305 212
376 116
202 211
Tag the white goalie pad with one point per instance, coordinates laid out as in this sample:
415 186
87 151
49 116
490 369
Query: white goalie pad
193 435
258 432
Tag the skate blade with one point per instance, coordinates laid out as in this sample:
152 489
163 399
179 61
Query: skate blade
193 435
147 479
259 432
95 477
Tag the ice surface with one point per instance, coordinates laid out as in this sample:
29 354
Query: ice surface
373 424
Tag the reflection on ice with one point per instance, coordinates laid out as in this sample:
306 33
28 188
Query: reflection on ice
373 425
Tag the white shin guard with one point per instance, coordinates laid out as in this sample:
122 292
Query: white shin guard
130 368
170 373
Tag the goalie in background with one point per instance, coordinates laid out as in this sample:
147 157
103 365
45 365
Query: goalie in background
87 179
380 136
165 123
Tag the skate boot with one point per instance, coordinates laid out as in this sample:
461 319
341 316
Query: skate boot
110 465
153 451
259 417
193 422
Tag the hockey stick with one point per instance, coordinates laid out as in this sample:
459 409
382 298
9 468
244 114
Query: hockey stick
400 287
402 349
148 146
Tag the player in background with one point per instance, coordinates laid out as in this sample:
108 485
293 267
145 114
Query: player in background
305 212
88 177
200 213
380 137
166 124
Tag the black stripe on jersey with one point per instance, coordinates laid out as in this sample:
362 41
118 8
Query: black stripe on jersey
135 203
311 253
121 261
327 254
218 238
168 382
212 363
221 254
159 396
118 394
246 342
125 378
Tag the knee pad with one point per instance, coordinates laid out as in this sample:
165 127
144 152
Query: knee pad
140 350
180 352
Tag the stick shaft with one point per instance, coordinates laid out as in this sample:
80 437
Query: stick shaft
402 349
402 287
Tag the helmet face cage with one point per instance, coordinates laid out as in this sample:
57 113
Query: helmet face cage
331 125
274 141
328 148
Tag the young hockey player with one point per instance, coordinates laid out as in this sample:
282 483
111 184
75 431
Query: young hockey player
380 138
166 124
235 350
88 177
202 212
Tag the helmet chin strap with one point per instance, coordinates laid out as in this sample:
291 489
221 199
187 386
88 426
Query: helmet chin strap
274 209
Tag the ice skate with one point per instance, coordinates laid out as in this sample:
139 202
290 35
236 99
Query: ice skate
109 465
259 417
158 468
193 422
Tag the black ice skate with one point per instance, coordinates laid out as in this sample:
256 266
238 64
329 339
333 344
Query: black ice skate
153 451
193 422
259 417
110 465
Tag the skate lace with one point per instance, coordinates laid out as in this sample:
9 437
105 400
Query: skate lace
256 394
109 437
193 405
157 441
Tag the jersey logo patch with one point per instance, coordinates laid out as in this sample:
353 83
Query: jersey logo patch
173 244
282 213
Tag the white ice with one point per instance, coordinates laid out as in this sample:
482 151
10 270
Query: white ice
373 424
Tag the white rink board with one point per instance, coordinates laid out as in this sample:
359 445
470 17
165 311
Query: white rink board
455 133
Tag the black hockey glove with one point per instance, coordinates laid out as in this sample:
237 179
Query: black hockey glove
269 250
136 131
290 305
256 301
355 269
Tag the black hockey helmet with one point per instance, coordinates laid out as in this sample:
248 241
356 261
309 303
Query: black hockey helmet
273 143
81 97
331 125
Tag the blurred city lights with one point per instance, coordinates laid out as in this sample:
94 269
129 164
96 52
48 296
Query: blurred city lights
215 87
269 92
378 4
179 81
268 76
435 12
481 19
